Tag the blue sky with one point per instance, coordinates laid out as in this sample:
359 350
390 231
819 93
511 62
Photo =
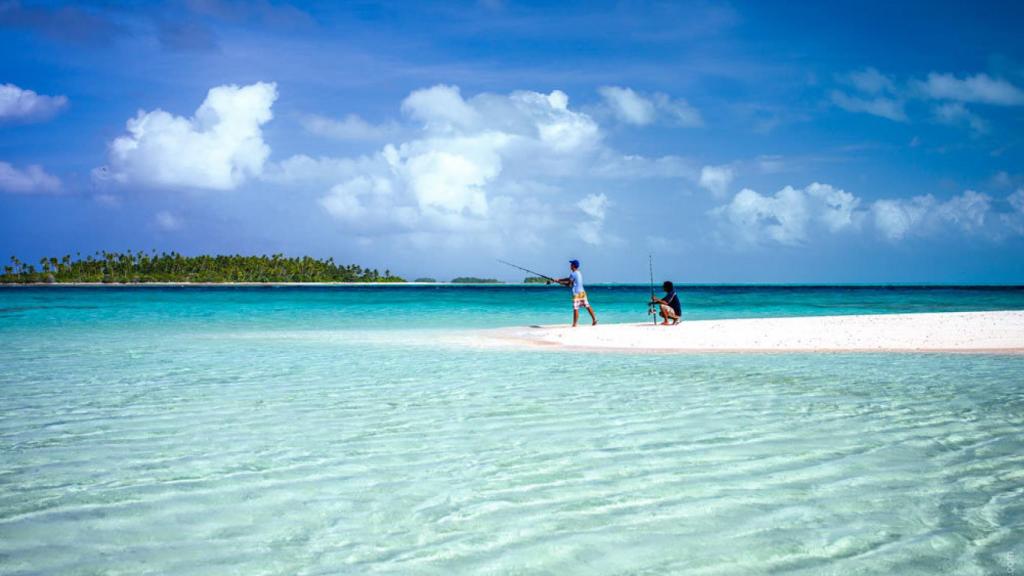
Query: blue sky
736 142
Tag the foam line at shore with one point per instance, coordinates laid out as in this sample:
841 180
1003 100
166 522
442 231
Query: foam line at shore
1001 332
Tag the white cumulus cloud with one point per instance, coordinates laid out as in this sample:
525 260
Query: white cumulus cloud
474 166
754 217
25 105
716 179
441 108
968 211
363 202
791 214
894 218
449 175
785 217
487 169
898 218
218 148
837 209
31 179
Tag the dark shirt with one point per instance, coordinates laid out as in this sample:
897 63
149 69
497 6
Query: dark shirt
673 301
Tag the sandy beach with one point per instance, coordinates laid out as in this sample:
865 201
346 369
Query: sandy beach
999 332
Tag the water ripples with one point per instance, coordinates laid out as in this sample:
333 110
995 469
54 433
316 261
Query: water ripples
321 454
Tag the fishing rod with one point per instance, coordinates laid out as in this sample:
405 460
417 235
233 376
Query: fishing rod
549 278
650 306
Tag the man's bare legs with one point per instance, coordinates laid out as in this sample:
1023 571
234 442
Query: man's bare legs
576 316
668 314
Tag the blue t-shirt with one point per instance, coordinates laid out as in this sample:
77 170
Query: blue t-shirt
673 301
577 281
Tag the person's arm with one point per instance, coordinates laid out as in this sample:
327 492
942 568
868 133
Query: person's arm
563 281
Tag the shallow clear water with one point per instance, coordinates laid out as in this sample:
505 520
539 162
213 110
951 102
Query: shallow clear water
299 431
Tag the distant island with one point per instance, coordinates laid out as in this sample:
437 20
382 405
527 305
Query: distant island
426 280
142 267
534 280
474 280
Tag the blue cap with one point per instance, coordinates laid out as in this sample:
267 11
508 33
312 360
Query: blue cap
574 263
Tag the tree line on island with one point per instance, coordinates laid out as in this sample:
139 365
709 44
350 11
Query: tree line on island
142 267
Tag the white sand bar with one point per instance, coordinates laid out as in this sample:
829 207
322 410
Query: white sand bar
1001 332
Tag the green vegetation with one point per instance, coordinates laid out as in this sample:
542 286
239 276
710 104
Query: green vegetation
474 280
128 267
534 280
425 280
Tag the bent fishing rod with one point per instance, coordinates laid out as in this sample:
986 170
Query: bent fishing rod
549 278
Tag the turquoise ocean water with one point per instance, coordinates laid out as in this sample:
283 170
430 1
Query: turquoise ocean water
335 431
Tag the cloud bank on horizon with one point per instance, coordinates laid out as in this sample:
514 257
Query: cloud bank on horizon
750 169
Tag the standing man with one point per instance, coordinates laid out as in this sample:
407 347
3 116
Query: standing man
579 295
